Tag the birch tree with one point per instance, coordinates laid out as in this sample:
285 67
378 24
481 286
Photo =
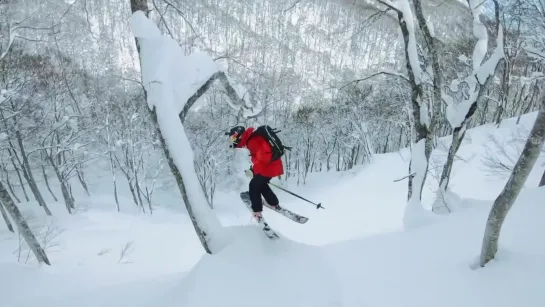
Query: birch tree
170 129
482 73
534 45
510 192
422 133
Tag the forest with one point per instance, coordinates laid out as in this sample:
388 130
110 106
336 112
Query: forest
342 79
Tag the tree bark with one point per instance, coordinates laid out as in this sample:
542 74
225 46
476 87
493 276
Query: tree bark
6 218
81 178
510 192
28 174
22 225
420 130
68 201
46 180
12 153
10 187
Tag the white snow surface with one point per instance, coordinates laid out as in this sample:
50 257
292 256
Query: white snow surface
354 253
254 269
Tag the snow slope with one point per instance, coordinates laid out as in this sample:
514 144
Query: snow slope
431 266
353 253
256 271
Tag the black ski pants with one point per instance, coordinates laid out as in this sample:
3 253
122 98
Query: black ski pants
259 186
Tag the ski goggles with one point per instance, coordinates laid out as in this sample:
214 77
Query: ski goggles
233 138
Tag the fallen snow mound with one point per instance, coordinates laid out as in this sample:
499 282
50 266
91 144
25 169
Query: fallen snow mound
256 271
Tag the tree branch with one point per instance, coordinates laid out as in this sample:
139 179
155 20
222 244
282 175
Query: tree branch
399 75
292 6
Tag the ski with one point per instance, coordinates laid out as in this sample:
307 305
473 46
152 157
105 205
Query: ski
282 211
269 232
287 213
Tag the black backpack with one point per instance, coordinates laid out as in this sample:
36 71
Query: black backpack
269 134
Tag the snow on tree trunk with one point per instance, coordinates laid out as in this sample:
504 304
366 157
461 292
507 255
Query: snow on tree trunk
542 181
170 79
161 101
510 192
22 225
437 78
414 214
482 74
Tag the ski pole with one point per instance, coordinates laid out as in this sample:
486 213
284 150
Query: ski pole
318 206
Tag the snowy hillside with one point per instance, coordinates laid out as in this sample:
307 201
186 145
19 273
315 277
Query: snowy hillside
353 253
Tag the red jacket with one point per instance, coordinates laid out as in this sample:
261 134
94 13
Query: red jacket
260 152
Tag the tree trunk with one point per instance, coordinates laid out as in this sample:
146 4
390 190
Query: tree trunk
81 178
10 187
64 190
478 88
138 191
6 218
457 138
29 176
542 181
512 188
22 225
203 237
12 152
416 183
141 5
133 191
47 184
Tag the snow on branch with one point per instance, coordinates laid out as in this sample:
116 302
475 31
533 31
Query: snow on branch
237 100
482 72
189 76
403 7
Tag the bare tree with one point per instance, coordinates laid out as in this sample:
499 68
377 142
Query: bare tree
422 126
22 225
510 192
481 75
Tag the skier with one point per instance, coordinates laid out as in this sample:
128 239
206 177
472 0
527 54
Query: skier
263 168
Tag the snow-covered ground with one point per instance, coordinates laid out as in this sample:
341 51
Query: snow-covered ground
353 253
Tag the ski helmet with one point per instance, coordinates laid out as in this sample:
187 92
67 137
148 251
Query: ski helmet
235 135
